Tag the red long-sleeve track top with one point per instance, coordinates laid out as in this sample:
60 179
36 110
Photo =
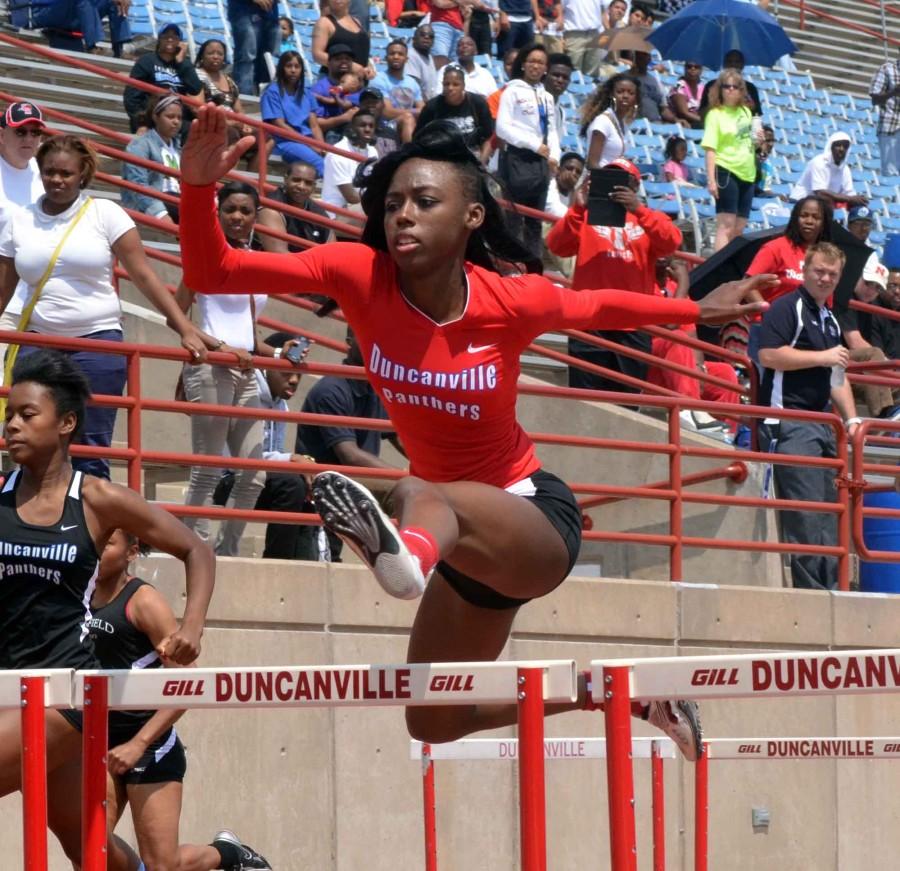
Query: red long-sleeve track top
449 389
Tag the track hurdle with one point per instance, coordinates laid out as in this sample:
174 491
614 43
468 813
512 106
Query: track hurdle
506 749
781 675
529 685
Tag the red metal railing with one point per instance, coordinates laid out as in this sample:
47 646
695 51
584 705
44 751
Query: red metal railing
806 8
138 458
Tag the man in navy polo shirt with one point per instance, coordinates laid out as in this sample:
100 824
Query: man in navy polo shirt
804 360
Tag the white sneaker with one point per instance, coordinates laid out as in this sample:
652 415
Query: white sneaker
680 720
351 512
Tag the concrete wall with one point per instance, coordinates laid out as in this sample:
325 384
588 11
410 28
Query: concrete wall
322 789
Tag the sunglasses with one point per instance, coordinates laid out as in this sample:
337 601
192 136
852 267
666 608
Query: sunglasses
731 87
22 132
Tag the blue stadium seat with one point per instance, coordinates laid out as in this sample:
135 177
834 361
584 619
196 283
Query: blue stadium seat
887 191
666 206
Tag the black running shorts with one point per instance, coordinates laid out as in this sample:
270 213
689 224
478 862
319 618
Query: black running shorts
554 498
163 761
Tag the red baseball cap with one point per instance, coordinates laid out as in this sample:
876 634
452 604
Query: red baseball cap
627 165
19 114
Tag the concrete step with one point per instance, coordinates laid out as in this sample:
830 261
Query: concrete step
838 56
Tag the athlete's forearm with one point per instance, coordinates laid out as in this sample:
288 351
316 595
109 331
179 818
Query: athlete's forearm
199 564
211 265
624 309
158 725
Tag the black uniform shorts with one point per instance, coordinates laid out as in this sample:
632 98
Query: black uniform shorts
554 498
164 761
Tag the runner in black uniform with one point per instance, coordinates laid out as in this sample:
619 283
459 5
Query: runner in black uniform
146 757
53 524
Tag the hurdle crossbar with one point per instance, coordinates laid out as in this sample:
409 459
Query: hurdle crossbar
556 749
430 684
750 675
804 748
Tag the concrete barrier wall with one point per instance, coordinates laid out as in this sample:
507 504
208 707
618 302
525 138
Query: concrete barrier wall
323 789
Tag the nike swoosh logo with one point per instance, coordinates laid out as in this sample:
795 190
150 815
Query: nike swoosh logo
477 349
67 528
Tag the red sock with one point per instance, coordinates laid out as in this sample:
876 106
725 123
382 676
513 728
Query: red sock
638 709
421 544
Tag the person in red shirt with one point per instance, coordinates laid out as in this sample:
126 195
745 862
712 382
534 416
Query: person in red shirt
441 333
620 257
810 223
673 280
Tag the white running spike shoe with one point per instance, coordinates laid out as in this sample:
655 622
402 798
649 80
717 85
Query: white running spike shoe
680 720
351 512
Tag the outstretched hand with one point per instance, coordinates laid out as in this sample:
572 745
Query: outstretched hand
726 304
206 156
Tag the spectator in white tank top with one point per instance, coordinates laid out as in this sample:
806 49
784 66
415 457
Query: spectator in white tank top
79 299
606 117
231 319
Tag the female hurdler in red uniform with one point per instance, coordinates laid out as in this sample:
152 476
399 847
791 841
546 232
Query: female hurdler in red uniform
441 333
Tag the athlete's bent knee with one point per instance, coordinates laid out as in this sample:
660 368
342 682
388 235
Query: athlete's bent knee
411 487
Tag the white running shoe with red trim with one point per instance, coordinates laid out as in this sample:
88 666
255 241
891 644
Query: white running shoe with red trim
351 512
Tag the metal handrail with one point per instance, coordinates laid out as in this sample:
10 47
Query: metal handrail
674 450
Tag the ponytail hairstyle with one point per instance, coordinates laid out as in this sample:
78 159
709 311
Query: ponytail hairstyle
602 98
489 245
671 144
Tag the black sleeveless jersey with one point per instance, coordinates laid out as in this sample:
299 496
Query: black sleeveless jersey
118 643
47 576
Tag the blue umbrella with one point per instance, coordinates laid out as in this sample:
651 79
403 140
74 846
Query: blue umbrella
707 29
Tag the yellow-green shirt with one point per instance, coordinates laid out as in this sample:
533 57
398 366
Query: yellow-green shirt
728 132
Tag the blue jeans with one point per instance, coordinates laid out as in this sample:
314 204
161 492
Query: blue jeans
106 374
85 16
253 35
889 151
291 151
520 33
